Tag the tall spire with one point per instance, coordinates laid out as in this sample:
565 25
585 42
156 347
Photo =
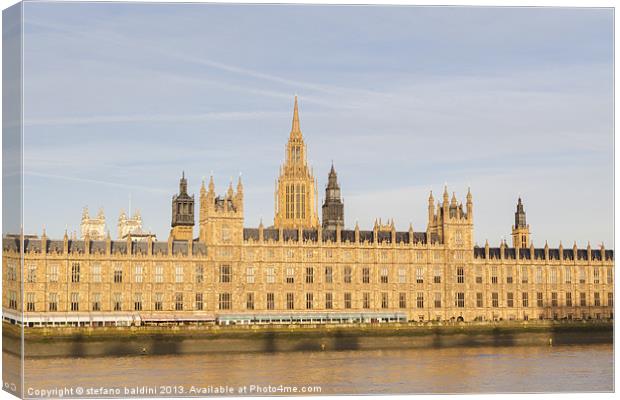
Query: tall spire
295 128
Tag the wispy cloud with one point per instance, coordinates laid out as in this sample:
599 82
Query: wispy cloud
97 182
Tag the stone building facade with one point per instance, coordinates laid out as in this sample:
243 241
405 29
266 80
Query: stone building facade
300 270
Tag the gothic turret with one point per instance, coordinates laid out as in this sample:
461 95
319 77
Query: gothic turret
520 230
296 195
333 207
182 213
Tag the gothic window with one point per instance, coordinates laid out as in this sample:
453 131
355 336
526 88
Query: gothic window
75 272
553 275
178 277
329 278
159 301
554 299
32 273
303 201
11 273
250 275
365 275
53 302
402 276
329 301
75 301
96 301
12 300
509 299
96 273
384 275
479 301
582 275
524 299
118 301
495 299
225 274
118 273
271 301
249 304
569 299
137 302
384 300
420 300
524 278
199 274
159 273
582 299
347 300
437 299
309 301
53 273
290 275
539 299
30 306
271 275
508 274
178 301
460 299
347 274
199 302
596 273
138 275
402 300
366 300
309 275
290 301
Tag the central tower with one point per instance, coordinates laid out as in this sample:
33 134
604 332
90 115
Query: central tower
295 195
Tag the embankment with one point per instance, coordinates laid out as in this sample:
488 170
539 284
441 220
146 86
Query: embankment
96 342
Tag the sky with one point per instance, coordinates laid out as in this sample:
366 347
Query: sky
120 98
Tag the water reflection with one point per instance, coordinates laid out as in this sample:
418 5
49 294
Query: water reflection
433 370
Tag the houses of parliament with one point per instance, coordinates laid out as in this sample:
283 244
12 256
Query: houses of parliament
300 269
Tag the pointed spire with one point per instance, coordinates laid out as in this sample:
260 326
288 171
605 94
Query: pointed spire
203 188
295 128
469 196
431 199
453 200
229 193
211 184
239 184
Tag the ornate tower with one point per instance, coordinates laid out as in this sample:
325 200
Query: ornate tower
333 207
182 213
450 223
221 217
93 227
295 195
129 224
520 230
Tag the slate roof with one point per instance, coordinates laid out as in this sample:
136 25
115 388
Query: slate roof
539 254
290 234
250 233
311 235
271 234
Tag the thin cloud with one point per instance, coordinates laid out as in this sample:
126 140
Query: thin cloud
96 181
109 119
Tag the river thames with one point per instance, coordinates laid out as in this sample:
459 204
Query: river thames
494 369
